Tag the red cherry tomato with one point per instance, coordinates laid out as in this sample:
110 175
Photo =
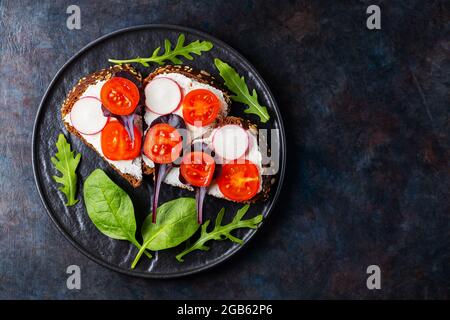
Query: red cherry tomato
116 144
200 107
120 96
239 181
197 168
162 143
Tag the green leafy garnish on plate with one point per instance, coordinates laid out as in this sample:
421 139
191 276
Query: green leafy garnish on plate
66 162
176 222
110 208
241 93
172 55
222 232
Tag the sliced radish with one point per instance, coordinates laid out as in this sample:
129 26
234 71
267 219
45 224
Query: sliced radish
87 115
230 142
162 96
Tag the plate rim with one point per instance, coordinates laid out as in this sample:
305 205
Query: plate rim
50 211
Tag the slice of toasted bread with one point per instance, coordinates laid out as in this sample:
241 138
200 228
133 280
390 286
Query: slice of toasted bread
197 75
75 94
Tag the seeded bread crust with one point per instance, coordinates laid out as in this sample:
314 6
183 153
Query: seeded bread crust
79 89
146 169
198 75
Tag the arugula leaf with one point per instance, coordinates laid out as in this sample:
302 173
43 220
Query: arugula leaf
177 222
236 84
66 162
196 47
110 208
222 232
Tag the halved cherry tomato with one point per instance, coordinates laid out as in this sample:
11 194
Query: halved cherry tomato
239 181
162 143
117 145
120 96
197 168
200 107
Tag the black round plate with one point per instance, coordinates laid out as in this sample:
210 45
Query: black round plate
74 222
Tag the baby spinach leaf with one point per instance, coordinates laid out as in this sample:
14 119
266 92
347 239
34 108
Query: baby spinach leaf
176 222
110 208
222 232
66 162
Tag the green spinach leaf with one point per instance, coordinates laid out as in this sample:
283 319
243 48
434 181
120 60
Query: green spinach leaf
110 208
176 222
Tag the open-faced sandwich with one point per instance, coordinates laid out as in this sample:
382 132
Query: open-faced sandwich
188 139
102 110
220 157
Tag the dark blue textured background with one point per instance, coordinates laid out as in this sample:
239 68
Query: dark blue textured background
367 119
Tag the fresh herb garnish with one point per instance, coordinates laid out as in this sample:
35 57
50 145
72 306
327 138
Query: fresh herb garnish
177 222
172 55
160 173
66 162
236 84
222 232
126 120
200 193
200 151
162 169
110 208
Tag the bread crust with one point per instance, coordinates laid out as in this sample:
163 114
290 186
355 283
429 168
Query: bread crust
79 89
147 170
